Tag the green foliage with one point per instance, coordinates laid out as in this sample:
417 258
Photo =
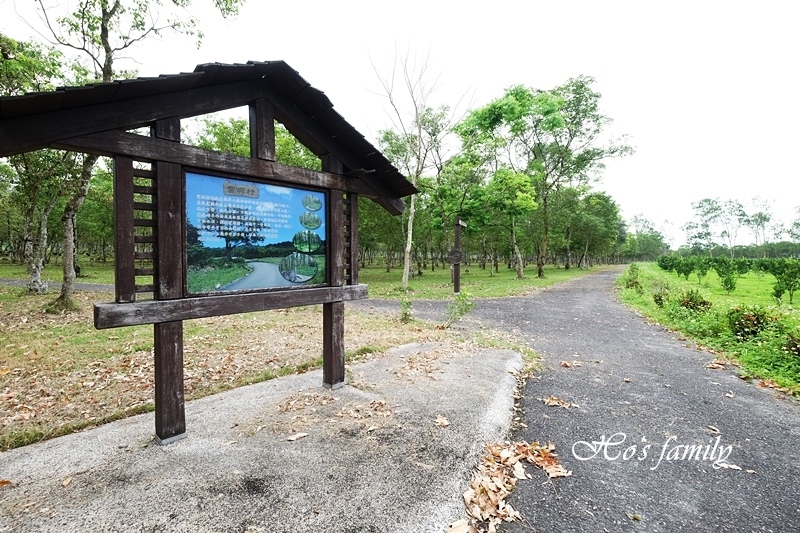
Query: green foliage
792 344
667 262
216 273
727 272
701 267
631 278
747 321
458 306
684 267
406 314
693 300
787 275
763 339
661 292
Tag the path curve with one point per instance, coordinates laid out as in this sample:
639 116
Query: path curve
264 275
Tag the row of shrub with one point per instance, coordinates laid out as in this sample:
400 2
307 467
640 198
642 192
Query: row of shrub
785 270
765 339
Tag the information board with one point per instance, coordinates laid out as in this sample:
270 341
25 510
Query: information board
244 236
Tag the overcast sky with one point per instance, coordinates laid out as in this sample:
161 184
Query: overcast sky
705 90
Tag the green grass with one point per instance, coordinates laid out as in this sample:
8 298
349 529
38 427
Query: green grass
770 354
476 281
208 279
91 272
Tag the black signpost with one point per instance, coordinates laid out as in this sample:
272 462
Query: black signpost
456 255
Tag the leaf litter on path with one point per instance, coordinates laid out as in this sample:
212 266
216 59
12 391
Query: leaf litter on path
496 476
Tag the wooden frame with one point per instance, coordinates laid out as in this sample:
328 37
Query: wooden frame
149 196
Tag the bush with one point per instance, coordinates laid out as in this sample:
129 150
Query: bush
684 267
667 262
747 321
792 345
726 270
692 299
661 293
632 279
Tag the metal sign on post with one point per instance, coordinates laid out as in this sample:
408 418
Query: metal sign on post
456 255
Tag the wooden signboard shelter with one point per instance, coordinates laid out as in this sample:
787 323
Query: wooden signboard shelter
152 174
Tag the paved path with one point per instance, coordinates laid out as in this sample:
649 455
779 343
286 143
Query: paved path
641 383
637 382
262 276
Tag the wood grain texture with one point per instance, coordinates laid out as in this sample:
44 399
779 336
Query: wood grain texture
114 315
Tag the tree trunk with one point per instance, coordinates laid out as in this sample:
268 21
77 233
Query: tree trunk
517 254
68 223
34 249
542 257
409 242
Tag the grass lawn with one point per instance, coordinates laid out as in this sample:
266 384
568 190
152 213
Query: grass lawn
477 282
91 272
58 374
746 326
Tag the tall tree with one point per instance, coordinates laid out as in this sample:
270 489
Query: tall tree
701 232
416 143
731 218
759 221
553 136
509 197
38 178
100 30
596 226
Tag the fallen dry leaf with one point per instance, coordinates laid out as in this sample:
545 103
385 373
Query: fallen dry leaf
726 465
461 526
497 475
5 482
442 421
296 436
568 364
66 481
555 401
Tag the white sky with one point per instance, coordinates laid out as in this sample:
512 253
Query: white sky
705 90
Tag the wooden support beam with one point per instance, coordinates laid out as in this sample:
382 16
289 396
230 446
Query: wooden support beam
25 133
352 249
262 130
114 315
124 268
168 345
333 313
301 125
149 149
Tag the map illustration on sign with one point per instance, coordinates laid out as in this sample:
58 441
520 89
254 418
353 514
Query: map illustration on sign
243 236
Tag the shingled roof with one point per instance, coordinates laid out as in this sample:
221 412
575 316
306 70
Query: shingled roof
39 120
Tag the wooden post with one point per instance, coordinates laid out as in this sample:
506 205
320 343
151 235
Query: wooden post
124 265
457 255
168 344
262 130
333 313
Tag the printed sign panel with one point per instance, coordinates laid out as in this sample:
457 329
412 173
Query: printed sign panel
243 236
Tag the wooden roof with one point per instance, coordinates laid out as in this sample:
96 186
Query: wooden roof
39 120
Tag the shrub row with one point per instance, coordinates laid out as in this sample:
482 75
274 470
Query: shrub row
785 270
765 339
